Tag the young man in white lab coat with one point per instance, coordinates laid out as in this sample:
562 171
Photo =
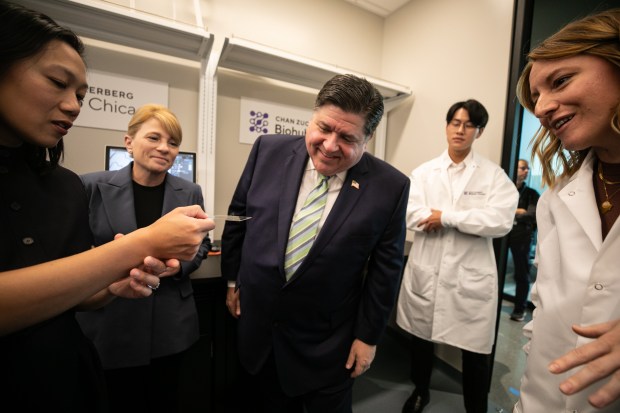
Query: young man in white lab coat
458 203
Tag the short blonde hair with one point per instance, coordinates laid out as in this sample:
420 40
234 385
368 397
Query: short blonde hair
595 35
168 120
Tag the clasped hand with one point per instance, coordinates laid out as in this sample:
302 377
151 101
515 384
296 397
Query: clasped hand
432 223
141 279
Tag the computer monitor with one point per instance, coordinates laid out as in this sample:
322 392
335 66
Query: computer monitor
116 157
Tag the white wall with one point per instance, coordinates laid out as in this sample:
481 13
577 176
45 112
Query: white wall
330 31
446 51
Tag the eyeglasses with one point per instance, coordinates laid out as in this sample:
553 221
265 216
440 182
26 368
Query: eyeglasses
456 124
524 168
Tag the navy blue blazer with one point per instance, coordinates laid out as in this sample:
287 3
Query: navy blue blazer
166 322
346 286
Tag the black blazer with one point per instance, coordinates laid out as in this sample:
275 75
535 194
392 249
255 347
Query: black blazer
346 286
167 321
525 224
49 366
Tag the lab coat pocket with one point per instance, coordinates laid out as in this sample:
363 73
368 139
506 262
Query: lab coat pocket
422 280
476 283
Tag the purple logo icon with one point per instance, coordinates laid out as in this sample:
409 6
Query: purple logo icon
259 122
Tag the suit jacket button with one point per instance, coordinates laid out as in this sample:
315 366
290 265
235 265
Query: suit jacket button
27 240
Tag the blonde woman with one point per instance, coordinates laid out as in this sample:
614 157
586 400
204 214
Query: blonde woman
166 323
572 84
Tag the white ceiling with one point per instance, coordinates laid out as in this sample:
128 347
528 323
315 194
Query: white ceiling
381 7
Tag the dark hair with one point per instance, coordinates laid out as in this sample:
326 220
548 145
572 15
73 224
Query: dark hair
25 33
354 95
478 115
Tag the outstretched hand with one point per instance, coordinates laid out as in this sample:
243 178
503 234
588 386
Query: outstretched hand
600 359
179 233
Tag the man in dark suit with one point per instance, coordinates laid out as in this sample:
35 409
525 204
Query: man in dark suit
520 239
306 333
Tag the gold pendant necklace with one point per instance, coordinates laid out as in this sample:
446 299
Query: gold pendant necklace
606 205
602 178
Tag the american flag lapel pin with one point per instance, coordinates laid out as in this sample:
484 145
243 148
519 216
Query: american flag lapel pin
355 184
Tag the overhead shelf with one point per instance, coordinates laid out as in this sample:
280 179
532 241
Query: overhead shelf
250 57
130 27
127 27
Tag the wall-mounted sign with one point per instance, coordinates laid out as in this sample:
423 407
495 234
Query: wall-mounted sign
258 117
112 99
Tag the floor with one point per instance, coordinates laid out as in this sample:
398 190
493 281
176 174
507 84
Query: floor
386 386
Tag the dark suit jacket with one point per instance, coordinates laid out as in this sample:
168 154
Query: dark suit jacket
525 224
166 322
346 286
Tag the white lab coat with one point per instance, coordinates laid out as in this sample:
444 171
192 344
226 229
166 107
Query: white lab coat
578 282
449 290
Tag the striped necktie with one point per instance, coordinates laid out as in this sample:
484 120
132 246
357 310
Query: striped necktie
305 227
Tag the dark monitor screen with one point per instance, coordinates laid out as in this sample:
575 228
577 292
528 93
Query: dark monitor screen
116 157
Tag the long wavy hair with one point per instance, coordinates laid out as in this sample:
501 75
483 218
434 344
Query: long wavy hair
596 35
23 34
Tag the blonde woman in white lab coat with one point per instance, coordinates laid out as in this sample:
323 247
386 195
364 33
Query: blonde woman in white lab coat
458 203
572 84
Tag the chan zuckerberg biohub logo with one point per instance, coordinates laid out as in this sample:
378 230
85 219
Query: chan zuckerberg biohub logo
259 122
